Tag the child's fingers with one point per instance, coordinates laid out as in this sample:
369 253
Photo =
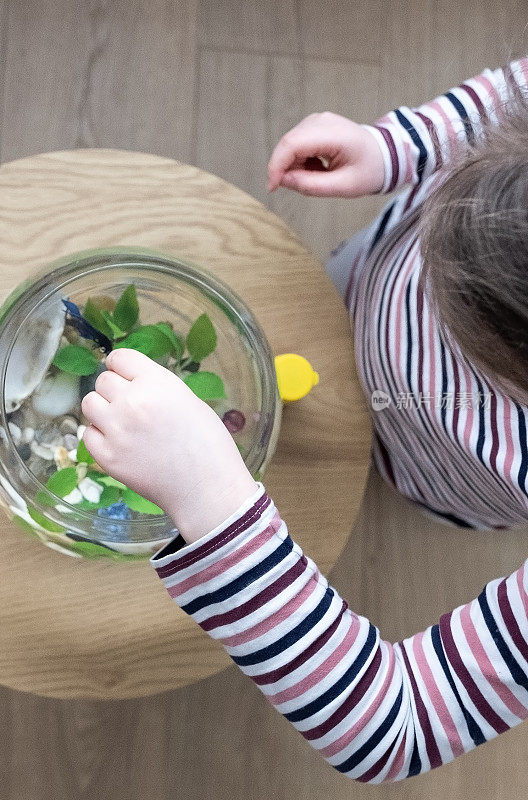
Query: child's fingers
292 148
110 385
95 408
334 183
128 363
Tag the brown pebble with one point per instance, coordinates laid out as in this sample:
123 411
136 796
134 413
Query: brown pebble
61 457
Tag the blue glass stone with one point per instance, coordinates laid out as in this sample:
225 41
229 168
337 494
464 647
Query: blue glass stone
114 531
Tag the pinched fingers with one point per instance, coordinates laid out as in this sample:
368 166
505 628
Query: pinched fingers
293 149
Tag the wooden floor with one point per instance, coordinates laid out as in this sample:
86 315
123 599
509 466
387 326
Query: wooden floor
216 83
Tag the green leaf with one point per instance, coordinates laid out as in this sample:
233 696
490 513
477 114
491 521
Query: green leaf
140 504
148 339
90 550
117 333
93 315
177 344
201 339
94 475
24 525
83 455
76 360
44 522
206 385
107 480
109 496
63 481
126 311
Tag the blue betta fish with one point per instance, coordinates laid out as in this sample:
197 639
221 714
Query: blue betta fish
84 328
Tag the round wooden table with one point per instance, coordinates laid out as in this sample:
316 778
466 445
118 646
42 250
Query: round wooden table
94 629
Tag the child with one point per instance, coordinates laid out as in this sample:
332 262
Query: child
455 325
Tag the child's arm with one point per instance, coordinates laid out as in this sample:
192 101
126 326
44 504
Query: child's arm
417 142
403 147
376 711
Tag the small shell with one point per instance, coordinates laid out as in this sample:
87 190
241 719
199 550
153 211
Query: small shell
80 431
34 348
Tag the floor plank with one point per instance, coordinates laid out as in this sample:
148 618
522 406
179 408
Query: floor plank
246 102
342 30
270 26
99 75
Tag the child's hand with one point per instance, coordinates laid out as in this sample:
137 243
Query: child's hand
354 164
151 432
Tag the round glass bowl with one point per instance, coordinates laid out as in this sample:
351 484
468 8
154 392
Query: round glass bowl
41 421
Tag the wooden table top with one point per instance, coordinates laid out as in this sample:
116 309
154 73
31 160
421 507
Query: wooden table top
75 628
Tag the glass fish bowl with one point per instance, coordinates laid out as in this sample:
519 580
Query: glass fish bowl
55 332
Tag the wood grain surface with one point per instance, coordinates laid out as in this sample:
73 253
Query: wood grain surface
104 630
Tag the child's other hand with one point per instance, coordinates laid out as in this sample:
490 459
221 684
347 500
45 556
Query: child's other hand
150 431
354 164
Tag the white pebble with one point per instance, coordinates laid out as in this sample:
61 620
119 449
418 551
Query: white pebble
91 490
72 454
42 451
16 433
57 395
28 434
80 431
75 496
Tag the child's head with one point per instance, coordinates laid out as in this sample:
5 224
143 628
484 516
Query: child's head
475 252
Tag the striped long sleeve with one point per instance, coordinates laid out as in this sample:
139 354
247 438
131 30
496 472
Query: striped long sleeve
416 142
376 711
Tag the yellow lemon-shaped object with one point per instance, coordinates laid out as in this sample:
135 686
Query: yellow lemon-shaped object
295 376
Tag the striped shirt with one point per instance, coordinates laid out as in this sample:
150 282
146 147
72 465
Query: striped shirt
377 711
450 439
